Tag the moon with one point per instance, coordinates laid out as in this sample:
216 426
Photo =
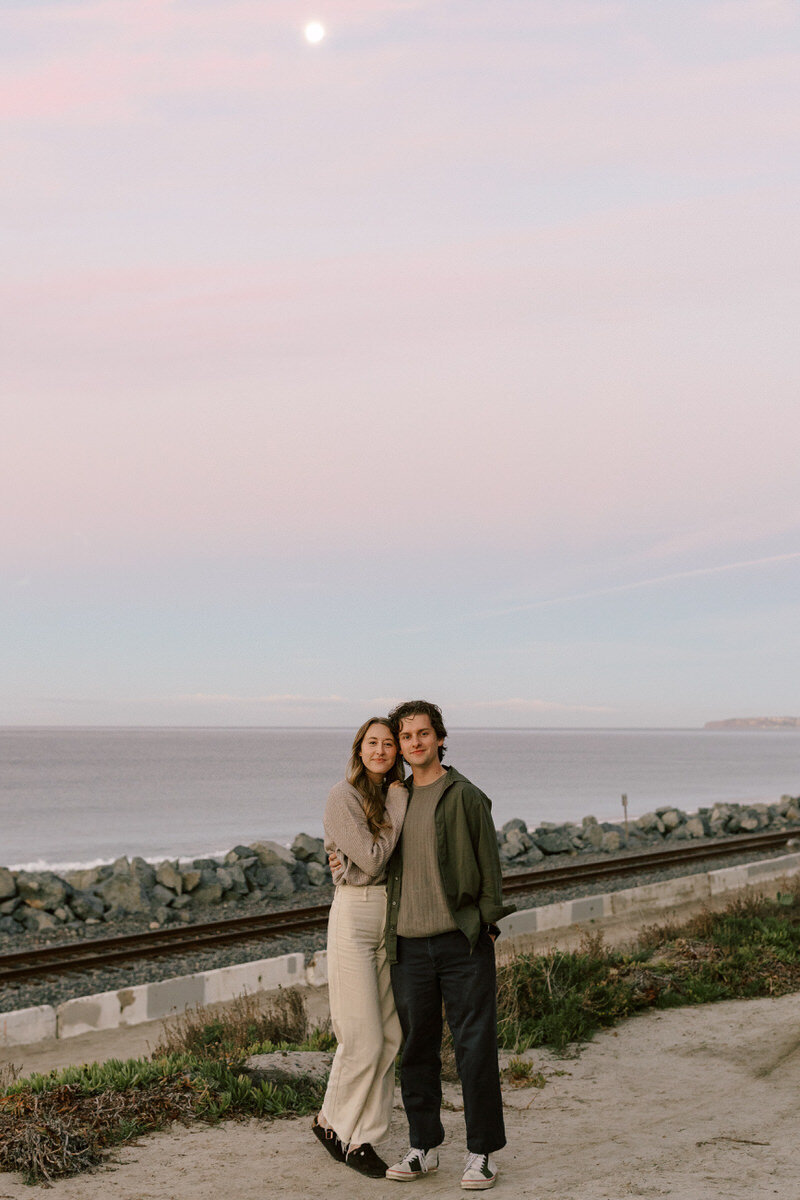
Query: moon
314 32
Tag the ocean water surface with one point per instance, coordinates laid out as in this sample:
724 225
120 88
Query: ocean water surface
78 796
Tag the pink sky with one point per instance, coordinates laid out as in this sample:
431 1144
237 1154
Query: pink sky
494 301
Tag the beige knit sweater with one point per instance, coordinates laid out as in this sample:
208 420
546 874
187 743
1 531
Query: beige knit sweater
346 832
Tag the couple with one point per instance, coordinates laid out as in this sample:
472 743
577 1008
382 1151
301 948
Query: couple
412 925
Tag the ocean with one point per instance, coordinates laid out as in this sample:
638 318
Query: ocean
82 796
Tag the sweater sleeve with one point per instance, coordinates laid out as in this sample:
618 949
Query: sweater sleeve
347 832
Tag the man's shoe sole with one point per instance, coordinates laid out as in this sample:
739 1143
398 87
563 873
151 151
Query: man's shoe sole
478 1185
398 1178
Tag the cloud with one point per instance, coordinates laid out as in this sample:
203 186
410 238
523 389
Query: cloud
521 705
654 581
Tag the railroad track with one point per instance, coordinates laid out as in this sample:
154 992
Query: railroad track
103 952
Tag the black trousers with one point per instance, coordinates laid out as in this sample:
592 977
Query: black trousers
429 971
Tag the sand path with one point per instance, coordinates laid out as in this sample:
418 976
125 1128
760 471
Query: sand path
696 1104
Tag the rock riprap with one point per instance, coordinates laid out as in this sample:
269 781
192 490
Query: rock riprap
177 891
169 892
523 847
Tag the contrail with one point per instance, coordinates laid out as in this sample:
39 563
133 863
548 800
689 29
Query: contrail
645 583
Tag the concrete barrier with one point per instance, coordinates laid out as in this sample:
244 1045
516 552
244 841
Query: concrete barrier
154 1001
667 893
27 1025
732 879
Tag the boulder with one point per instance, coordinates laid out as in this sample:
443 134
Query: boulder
191 878
307 849
8 885
272 853
86 878
124 892
162 896
143 871
300 873
718 819
671 818
236 854
695 827
650 823
317 874
288 1066
9 926
612 841
517 842
233 879
591 833
516 823
209 890
276 880
7 907
37 920
224 878
169 876
85 905
41 889
556 840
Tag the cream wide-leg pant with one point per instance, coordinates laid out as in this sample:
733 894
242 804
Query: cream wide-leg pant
358 1099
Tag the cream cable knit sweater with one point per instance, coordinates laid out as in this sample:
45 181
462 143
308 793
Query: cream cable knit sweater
346 831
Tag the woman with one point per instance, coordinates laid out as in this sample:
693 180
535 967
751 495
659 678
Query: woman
363 819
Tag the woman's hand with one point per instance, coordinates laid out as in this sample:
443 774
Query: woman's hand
333 862
396 783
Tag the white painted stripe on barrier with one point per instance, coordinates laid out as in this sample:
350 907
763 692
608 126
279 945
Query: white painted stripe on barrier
265 975
664 894
730 879
27 1025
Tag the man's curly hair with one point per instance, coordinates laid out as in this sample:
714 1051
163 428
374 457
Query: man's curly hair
419 708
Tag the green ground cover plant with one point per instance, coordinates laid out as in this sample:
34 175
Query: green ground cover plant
750 949
67 1121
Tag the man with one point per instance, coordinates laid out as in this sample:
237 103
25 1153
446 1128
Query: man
443 899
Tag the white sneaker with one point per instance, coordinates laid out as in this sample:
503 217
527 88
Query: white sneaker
414 1165
480 1171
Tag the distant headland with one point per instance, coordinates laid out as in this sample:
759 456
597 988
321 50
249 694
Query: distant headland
755 723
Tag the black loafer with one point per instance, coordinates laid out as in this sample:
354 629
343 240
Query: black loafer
330 1141
366 1162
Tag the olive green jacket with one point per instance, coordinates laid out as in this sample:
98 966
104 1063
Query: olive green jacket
468 860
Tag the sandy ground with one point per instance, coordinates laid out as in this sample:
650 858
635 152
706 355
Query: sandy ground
692 1103
696 1104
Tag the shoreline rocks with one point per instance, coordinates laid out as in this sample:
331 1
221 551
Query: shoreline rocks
169 892
523 847
174 891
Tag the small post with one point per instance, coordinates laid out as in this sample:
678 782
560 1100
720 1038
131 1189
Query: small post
625 810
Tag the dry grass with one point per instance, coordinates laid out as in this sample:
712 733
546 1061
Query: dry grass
8 1074
47 1135
248 1022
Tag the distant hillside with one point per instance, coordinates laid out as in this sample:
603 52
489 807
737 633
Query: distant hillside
755 723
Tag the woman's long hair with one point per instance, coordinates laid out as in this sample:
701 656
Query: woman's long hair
373 795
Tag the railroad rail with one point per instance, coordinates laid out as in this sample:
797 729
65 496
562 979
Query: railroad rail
103 952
